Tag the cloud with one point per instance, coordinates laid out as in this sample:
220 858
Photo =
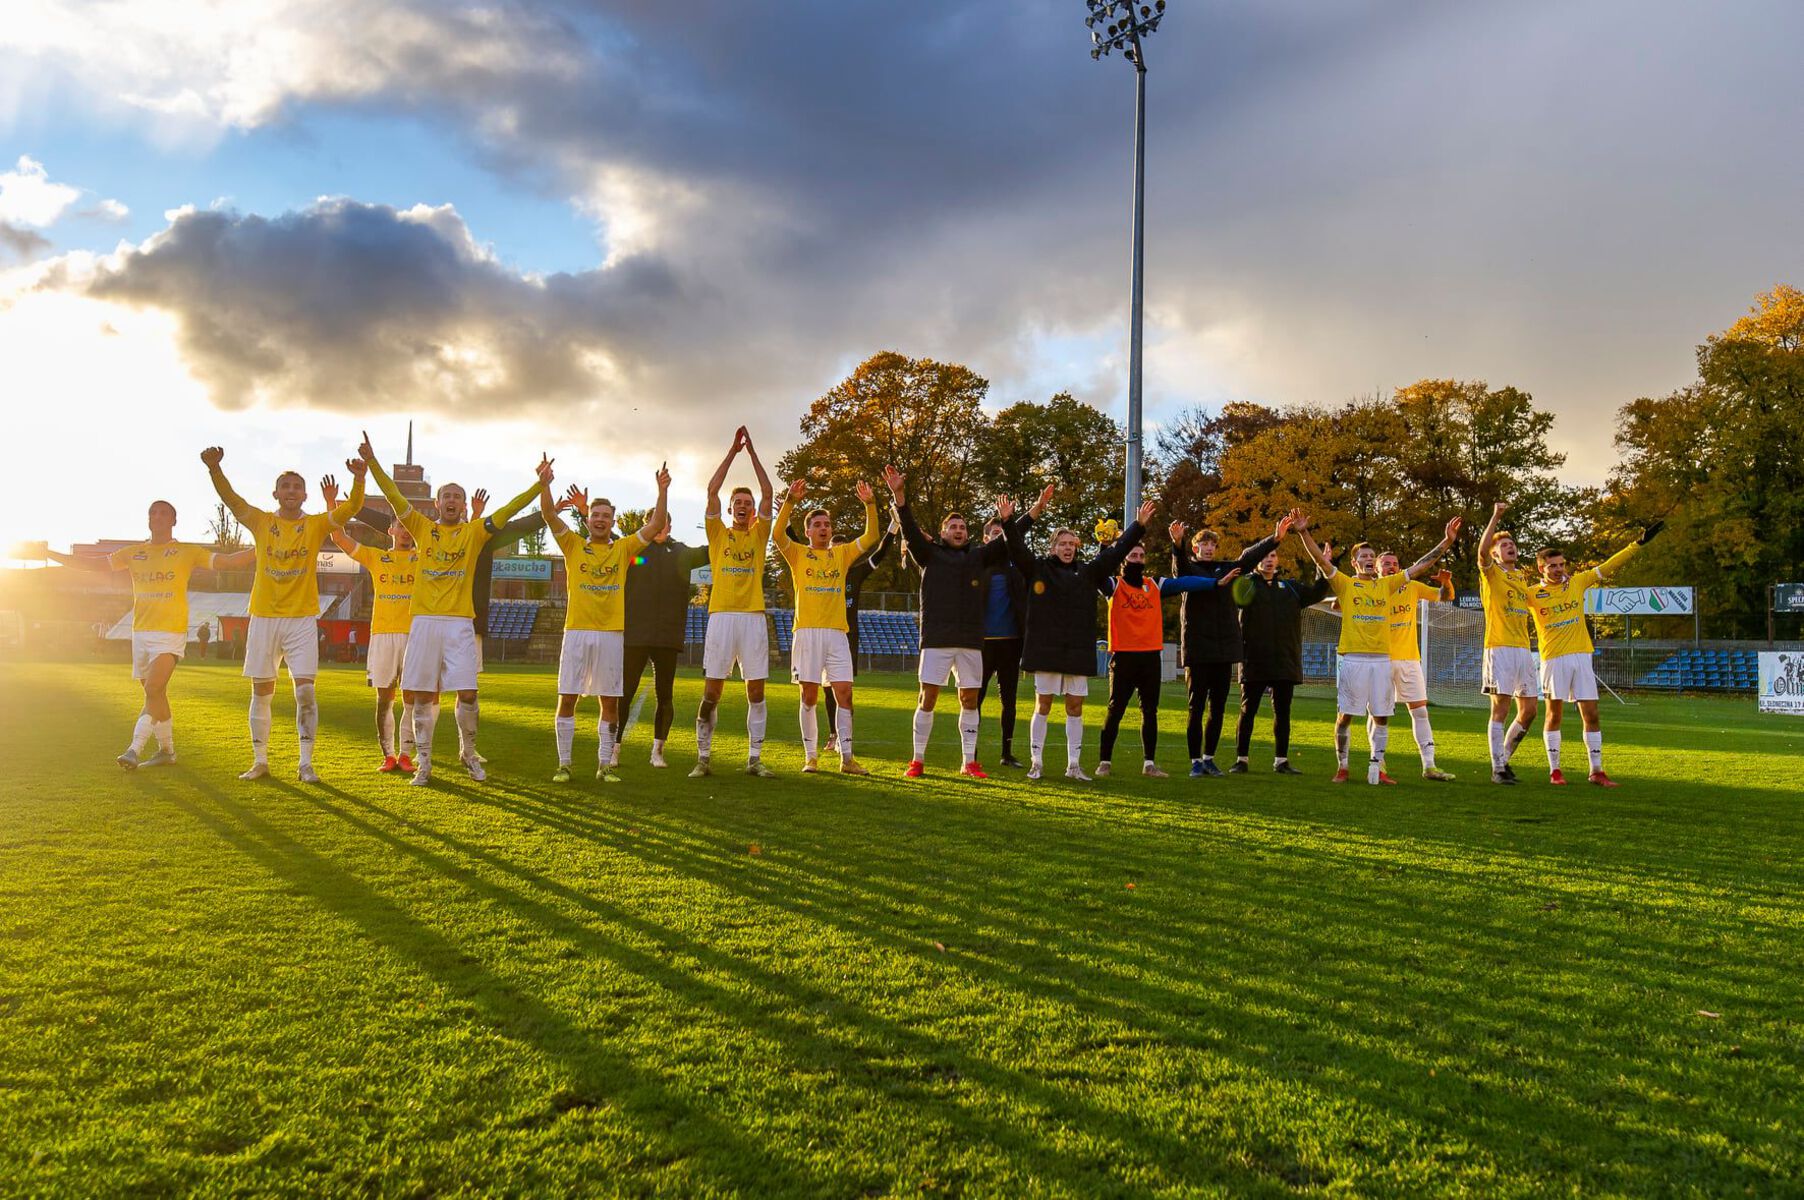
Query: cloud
28 197
107 210
22 244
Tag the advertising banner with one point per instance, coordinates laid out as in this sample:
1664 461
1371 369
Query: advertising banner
1639 602
1782 682
521 568
1788 597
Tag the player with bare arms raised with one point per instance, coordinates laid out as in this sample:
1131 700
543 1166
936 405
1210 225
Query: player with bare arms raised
284 624
392 574
160 569
441 636
737 630
1510 666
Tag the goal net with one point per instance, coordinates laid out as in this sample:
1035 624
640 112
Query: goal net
1452 643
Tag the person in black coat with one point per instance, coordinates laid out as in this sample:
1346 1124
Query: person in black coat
856 575
1059 644
952 573
657 617
1004 609
1209 634
1271 627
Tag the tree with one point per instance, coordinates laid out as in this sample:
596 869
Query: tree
227 533
1188 454
1063 441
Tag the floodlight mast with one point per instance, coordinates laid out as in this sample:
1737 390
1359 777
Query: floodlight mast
1122 25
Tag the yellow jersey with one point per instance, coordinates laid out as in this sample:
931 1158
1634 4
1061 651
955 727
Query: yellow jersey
392 572
1559 608
445 573
1365 609
595 578
736 559
1505 597
160 574
287 579
820 575
1405 646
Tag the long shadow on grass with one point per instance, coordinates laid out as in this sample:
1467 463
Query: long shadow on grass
1131 999
863 1048
723 1155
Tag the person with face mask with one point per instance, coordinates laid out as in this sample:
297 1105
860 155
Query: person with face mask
1271 630
1004 606
1059 644
1137 650
657 615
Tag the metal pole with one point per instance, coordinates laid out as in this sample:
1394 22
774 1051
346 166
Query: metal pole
1131 500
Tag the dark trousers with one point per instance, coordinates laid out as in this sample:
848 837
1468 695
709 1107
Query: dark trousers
1250 692
1207 685
1002 659
1132 671
663 667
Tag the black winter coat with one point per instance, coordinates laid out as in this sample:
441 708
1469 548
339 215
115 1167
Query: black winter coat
1061 600
856 574
1208 626
952 583
657 594
1271 624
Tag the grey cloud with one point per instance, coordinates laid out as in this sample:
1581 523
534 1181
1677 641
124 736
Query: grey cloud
22 244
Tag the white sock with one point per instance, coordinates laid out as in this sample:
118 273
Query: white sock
1418 719
604 730
754 729
141 733
1380 738
425 719
842 721
1036 737
657 747
566 738
385 729
1343 744
967 732
1594 747
407 742
1552 738
704 729
923 730
260 719
1497 755
1370 726
306 720
467 714
1074 741
1512 739
165 731
811 730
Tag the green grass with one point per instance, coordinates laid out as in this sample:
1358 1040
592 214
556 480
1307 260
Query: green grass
831 987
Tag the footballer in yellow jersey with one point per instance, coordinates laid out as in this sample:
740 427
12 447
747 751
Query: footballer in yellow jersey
1557 602
591 661
1510 665
160 569
391 580
441 637
819 648
1363 682
737 631
284 625
1409 683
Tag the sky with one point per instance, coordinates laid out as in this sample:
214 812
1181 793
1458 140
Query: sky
615 231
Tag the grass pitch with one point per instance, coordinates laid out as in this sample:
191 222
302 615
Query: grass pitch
832 987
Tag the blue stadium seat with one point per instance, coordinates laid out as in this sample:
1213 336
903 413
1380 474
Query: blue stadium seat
512 620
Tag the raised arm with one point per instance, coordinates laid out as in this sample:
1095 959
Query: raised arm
241 509
1204 583
235 560
1015 534
1614 563
548 506
659 520
1108 559
390 492
84 562
779 528
920 546
1251 556
867 540
719 477
765 491
1445 579
1433 556
1490 534
1180 548
344 542
542 483
1323 563
338 514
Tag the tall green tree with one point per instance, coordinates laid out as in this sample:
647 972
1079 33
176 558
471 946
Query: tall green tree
1063 441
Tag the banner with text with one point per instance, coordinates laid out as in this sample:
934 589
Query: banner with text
1788 597
1639 602
1782 682
521 568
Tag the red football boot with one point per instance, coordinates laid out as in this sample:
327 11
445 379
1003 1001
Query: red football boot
1601 780
915 770
405 763
1557 777
388 764
1384 779
972 771
1340 776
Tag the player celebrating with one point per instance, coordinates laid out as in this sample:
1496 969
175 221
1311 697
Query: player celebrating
862 568
284 625
160 569
1271 627
1558 606
1004 608
820 650
737 631
1137 649
1408 683
952 575
657 612
1059 646
592 659
1510 668
1363 669
391 577
441 637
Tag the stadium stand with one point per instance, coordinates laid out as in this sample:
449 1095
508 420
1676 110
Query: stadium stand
1692 669
512 620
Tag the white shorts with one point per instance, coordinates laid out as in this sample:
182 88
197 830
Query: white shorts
271 641
959 663
592 662
148 647
741 638
441 655
820 656
479 644
1569 677
1051 683
387 651
1362 684
1512 671
1408 684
